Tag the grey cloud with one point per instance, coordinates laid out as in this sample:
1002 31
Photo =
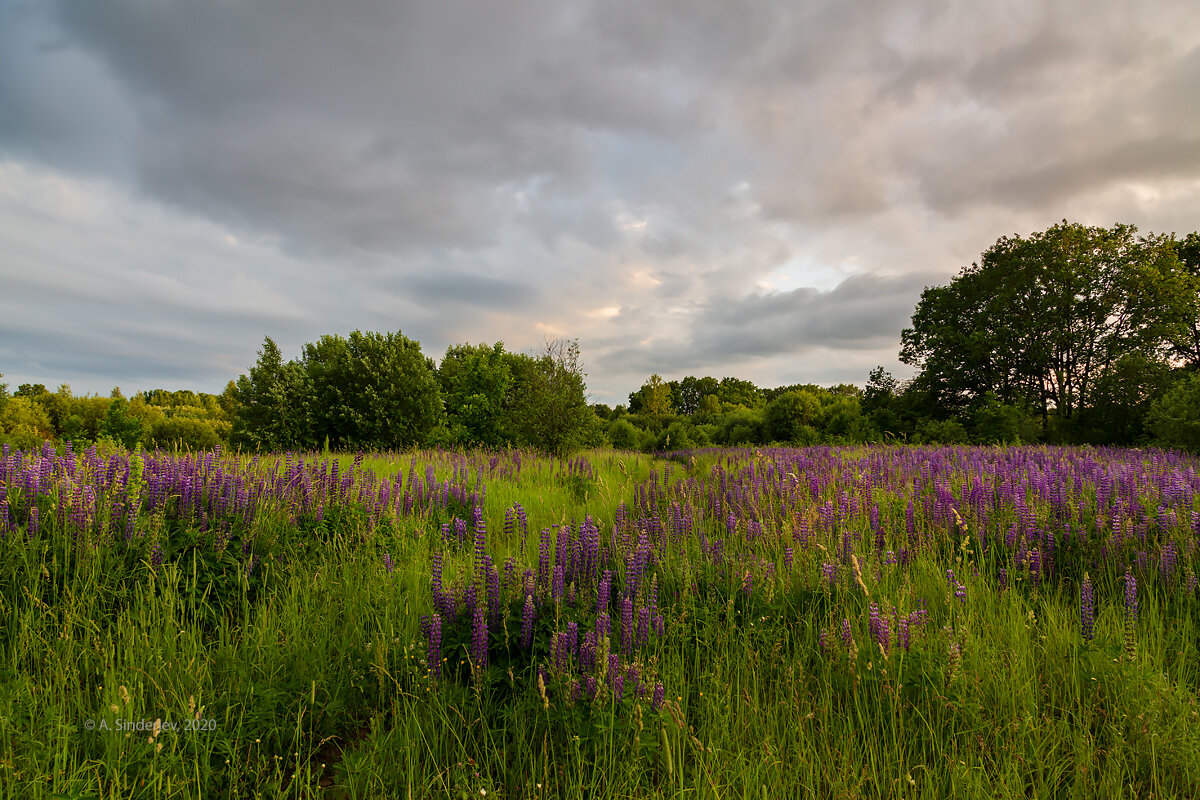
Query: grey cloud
461 170
858 313
468 289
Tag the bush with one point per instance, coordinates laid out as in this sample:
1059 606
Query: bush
624 435
790 412
742 426
24 423
677 436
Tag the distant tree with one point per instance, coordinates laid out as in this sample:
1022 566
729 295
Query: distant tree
182 433
789 413
689 392
32 391
476 384
653 399
602 411
372 390
710 407
120 424
550 411
228 401
676 436
946 431
880 391
271 407
39 394
742 426
624 435
738 392
840 413
656 397
24 423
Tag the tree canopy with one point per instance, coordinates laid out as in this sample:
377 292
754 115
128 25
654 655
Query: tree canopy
1039 319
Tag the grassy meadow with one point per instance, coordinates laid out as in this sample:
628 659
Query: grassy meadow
871 622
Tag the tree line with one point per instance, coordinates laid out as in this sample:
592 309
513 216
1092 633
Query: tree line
373 391
1070 335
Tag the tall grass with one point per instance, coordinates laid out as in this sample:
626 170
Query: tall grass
876 623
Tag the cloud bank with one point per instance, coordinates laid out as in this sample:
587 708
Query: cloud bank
688 187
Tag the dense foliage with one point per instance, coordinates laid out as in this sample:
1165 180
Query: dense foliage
1076 324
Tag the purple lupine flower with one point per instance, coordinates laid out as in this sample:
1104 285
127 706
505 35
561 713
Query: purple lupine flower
587 652
619 688
435 646
480 537
435 575
469 595
879 628
479 638
829 571
643 626
657 701
251 563
748 583
627 625
543 571
156 558
572 634
493 585
1087 609
824 643
387 562
33 520
527 616
1168 561
603 593
556 587
847 636
560 651
1131 598
1131 614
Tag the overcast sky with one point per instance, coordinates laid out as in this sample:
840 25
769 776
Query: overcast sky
754 189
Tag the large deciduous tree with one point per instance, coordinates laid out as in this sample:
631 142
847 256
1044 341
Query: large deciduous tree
549 411
689 392
372 390
1038 320
271 408
1185 344
476 387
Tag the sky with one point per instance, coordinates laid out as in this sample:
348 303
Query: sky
690 187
